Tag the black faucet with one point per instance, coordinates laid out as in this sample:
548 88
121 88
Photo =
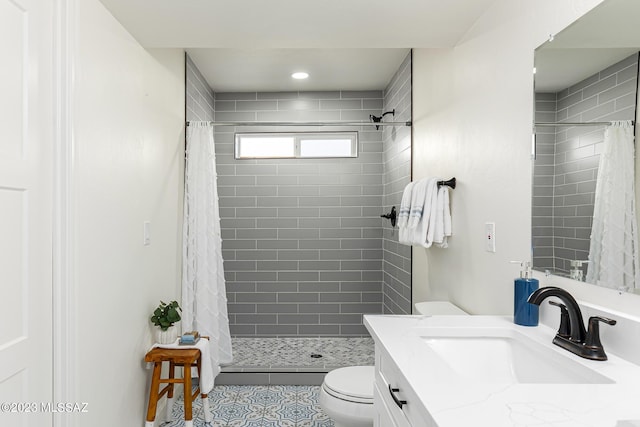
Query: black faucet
572 335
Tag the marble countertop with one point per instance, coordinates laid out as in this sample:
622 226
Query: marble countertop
455 403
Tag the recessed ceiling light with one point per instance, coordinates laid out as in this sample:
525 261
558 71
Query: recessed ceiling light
300 75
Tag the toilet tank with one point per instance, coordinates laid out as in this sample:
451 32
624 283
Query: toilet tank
438 308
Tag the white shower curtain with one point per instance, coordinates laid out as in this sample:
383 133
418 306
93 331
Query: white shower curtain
204 299
613 255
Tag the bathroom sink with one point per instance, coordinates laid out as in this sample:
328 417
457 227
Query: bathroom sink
501 355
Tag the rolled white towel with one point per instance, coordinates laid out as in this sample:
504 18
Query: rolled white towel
447 213
443 218
425 230
403 217
405 206
418 197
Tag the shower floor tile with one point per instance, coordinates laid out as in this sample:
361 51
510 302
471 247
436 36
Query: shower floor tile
299 354
256 406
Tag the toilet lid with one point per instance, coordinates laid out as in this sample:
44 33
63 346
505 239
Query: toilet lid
352 383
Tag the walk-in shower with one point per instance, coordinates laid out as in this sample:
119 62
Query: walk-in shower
305 251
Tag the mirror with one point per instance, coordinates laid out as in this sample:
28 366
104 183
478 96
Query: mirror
586 73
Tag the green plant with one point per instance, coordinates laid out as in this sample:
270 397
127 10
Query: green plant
166 315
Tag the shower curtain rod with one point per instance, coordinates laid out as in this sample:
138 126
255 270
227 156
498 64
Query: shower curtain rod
575 123
308 123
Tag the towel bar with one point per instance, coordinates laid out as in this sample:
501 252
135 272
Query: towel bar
449 183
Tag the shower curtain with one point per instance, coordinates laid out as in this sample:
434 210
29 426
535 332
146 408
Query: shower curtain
613 255
204 299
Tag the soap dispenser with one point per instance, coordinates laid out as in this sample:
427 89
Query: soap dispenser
576 269
524 314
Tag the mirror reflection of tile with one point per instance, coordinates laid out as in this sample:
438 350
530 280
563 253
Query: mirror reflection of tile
599 86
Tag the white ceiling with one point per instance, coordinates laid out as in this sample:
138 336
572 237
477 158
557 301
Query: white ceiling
248 45
297 23
269 70
606 35
254 45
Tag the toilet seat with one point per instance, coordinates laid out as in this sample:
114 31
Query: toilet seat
351 384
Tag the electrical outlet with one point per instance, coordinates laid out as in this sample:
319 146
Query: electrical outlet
490 236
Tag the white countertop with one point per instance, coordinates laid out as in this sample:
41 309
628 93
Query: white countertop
456 404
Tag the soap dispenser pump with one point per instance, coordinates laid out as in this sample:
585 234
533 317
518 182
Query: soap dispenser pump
576 272
524 314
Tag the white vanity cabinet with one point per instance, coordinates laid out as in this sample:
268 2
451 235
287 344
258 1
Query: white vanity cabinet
395 402
423 381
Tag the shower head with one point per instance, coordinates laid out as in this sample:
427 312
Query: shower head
376 119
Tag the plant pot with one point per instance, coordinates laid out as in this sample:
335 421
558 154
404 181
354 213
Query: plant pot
167 337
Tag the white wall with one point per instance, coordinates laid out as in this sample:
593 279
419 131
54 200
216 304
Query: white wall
473 112
128 107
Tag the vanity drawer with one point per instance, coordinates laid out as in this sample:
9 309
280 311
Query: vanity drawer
399 398
387 414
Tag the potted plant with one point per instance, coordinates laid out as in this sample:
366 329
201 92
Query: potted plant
164 317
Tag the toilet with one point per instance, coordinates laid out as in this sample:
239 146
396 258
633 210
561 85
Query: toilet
346 395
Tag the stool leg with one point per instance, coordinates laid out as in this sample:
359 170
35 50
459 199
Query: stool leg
172 375
198 368
153 393
208 416
170 397
188 416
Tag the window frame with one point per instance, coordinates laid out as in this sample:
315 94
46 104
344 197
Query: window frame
298 137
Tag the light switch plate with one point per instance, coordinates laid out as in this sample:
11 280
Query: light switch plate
147 233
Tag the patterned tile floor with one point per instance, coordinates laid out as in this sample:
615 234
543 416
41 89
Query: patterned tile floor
297 354
257 406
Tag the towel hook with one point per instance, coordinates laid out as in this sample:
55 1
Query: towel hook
391 216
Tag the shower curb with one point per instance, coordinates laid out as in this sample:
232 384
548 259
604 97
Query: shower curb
270 378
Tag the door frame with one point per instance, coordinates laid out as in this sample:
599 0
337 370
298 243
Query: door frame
65 337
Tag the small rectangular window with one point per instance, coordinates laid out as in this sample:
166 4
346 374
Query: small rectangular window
326 147
265 146
296 145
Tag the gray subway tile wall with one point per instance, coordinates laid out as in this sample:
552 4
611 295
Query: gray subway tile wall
199 96
566 165
396 175
301 260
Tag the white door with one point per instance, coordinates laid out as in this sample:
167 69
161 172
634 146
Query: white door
25 212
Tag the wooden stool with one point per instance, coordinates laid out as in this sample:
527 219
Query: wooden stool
177 357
